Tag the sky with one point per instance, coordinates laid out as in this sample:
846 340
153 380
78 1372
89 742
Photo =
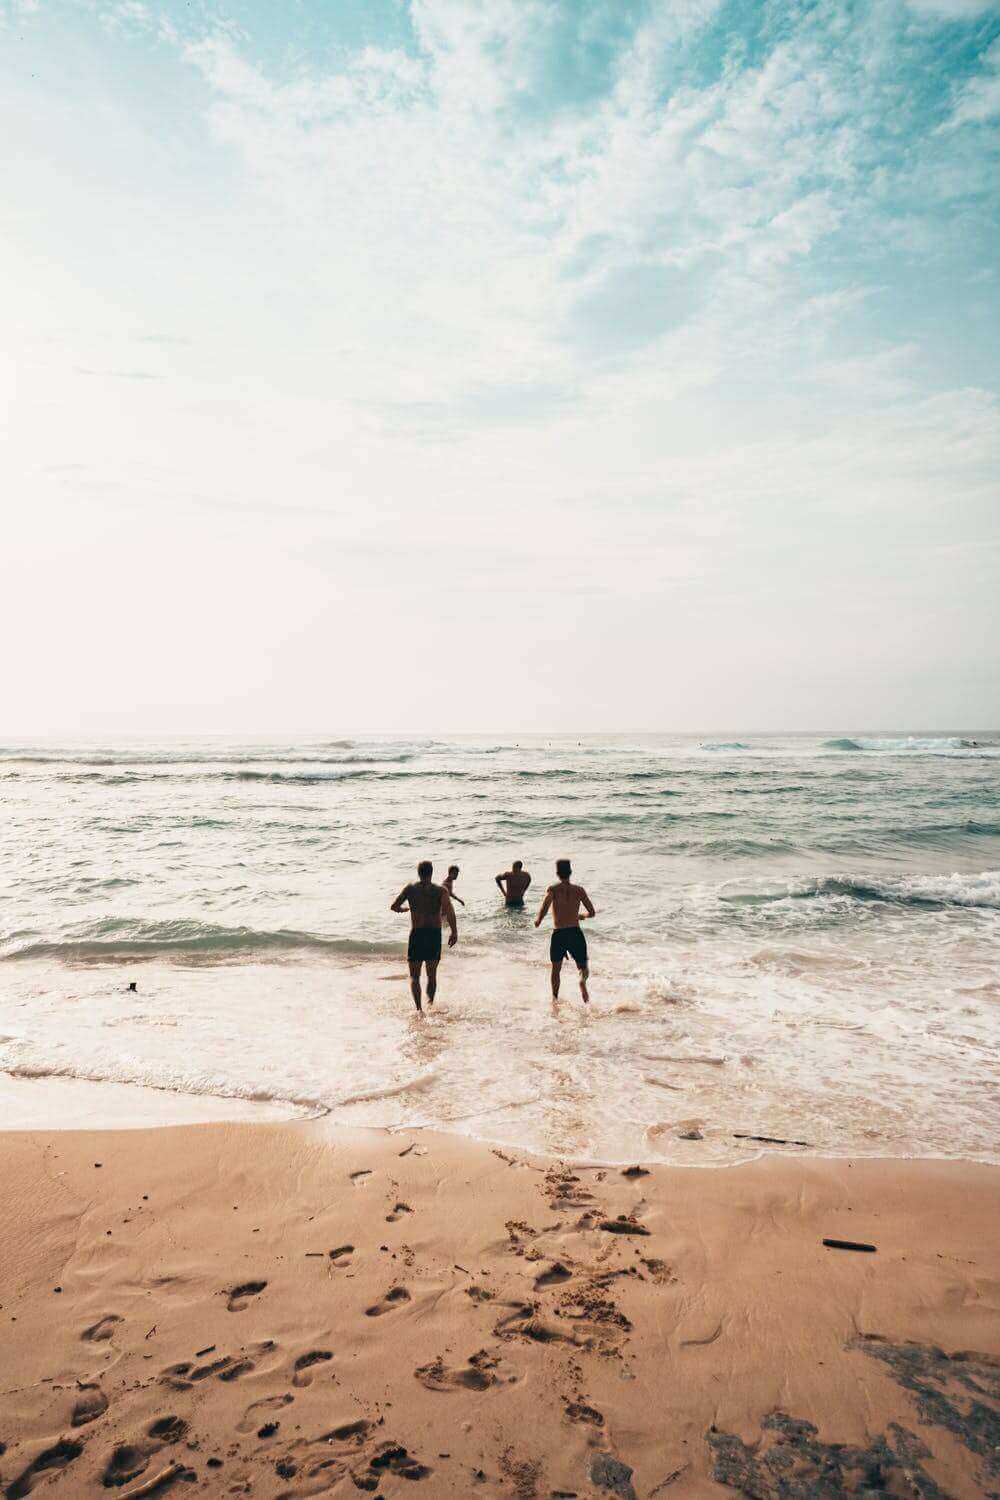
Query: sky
481 365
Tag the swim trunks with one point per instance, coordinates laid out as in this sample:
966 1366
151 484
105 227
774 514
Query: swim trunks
424 946
568 940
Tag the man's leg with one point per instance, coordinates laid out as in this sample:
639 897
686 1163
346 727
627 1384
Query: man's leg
584 976
432 980
556 971
415 984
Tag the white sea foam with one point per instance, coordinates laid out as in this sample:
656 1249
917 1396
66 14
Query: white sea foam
805 940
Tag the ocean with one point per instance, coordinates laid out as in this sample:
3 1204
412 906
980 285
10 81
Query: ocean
797 937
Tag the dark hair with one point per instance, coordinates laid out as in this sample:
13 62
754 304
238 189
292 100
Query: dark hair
425 869
453 869
563 869
518 863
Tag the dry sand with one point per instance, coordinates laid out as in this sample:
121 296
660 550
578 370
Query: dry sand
287 1310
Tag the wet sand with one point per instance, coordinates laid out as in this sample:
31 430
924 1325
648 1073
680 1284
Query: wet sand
285 1310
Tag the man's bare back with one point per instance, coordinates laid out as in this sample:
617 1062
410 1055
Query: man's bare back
566 902
426 903
513 883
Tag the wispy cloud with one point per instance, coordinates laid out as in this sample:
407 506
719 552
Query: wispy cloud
977 100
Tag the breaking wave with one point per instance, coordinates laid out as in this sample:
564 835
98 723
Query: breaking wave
909 742
116 939
926 891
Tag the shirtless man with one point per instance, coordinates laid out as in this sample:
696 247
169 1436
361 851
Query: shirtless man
565 900
449 884
513 883
428 903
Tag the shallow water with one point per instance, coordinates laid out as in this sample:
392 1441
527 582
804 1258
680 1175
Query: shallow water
796 937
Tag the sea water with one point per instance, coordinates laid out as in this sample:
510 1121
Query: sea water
796 937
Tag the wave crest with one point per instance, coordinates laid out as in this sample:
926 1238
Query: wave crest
908 742
116 939
927 891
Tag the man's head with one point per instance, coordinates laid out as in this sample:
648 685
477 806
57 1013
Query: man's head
518 865
425 869
453 871
563 869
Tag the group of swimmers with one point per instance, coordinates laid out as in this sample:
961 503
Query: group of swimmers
429 904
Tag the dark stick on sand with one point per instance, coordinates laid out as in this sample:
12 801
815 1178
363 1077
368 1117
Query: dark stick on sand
849 1245
769 1140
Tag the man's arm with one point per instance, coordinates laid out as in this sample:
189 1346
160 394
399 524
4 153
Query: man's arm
543 908
500 882
456 897
448 912
587 902
401 899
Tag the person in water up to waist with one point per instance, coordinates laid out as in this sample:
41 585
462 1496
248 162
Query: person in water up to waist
427 903
513 883
565 899
449 884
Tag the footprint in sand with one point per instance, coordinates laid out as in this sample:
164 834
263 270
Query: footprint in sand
555 1274
523 1322
126 1463
227 1367
251 1417
56 1457
393 1298
391 1458
98 1332
350 1432
578 1411
168 1429
476 1375
239 1297
342 1255
397 1213
624 1224
92 1403
303 1365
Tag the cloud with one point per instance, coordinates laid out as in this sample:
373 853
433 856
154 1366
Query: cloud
515 242
953 10
978 99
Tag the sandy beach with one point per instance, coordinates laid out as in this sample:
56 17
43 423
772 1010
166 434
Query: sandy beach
285 1310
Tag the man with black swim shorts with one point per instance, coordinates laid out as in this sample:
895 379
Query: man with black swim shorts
427 903
565 900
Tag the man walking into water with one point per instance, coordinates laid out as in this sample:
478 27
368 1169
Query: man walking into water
565 900
513 883
428 903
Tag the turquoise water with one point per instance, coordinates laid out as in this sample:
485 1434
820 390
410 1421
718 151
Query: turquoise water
796 936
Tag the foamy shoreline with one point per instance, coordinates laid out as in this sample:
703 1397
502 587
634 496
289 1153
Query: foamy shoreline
50 1105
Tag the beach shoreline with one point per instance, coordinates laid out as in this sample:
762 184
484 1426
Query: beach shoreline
492 1321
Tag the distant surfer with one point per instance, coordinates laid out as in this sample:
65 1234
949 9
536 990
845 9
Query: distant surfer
513 883
449 884
565 899
427 904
